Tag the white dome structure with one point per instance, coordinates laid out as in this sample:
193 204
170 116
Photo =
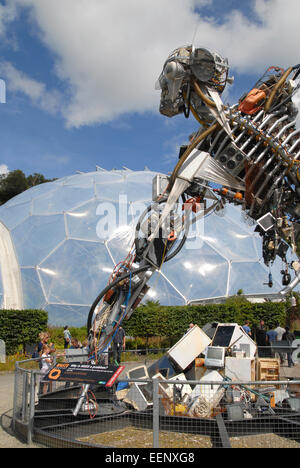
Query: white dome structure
60 241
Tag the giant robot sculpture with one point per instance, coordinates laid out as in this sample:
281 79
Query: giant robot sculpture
246 154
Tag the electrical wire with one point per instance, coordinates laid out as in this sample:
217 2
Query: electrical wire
105 345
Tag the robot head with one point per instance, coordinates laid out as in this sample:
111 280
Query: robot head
184 65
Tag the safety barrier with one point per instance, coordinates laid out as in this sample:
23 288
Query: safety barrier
157 413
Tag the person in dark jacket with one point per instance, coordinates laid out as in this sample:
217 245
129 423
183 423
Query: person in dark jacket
289 337
261 339
118 344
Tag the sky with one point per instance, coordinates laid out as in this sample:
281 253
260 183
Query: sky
80 75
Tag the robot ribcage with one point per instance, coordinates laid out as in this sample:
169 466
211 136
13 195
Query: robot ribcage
264 153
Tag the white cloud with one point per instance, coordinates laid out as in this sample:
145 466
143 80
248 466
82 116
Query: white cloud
251 46
17 81
111 52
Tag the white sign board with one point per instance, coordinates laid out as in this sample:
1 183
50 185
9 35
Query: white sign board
2 352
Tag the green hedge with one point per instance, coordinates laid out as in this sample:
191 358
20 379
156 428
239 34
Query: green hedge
153 319
21 327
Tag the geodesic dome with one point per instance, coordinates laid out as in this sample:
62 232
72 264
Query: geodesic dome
61 240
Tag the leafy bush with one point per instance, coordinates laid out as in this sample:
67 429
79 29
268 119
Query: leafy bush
21 327
172 322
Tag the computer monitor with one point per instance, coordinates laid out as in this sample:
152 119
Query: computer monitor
266 222
215 357
224 335
137 373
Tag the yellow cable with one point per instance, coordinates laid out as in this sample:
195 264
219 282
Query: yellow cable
276 88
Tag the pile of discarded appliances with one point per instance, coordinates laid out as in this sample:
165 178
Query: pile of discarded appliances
213 367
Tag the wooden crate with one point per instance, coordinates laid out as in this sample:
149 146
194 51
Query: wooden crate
267 369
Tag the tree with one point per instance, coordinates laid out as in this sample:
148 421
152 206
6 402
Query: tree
15 182
12 184
37 179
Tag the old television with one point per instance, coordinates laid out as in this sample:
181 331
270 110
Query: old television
147 388
266 222
138 373
215 357
139 399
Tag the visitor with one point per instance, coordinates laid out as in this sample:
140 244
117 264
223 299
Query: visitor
261 339
272 337
191 325
289 337
85 348
43 339
67 337
38 347
247 328
49 343
280 332
46 363
85 345
119 343
75 344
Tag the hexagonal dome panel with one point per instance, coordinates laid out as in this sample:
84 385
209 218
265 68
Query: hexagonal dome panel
66 236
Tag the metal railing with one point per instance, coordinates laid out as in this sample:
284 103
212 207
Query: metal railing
157 412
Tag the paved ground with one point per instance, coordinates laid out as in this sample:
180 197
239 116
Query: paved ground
7 440
6 404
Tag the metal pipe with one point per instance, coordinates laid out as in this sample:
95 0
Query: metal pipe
253 150
291 286
291 124
276 88
215 141
268 176
291 135
264 122
203 96
297 142
225 140
156 405
269 193
282 119
188 151
257 160
81 399
247 142
259 115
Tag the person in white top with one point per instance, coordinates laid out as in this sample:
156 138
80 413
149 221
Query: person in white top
46 363
280 331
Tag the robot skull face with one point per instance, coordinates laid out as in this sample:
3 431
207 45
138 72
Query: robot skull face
182 66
